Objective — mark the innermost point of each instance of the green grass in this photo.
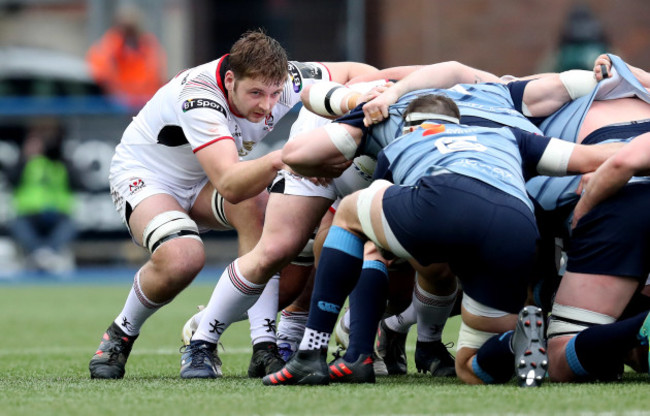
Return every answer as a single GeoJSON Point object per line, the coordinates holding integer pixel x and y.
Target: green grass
{"type": "Point", "coordinates": [50, 333]}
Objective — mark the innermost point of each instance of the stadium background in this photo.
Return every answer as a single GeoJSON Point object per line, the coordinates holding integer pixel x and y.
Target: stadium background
{"type": "Point", "coordinates": [502, 36]}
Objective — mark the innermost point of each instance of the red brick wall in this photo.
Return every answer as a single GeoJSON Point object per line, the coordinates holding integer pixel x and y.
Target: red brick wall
{"type": "Point", "coordinates": [501, 36]}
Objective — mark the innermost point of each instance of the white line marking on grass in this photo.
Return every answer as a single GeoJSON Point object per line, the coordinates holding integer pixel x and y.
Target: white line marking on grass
{"type": "Point", "coordinates": [50, 350]}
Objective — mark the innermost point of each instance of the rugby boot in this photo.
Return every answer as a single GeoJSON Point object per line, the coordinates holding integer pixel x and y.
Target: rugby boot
{"type": "Point", "coordinates": [529, 346]}
{"type": "Point", "coordinates": [111, 355]}
{"type": "Point", "coordinates": [307, 367]}
{"type": "Point", "coordinates": [391, 347]}
{"type": "Point", "coordinates": [342, 338]}
{"type": "Point", "coordinates": [434, 357]}
{"type": "Point", "coordinates": [266, 359]}
{"type": "Point", "coordinates": [200, 360]}
{"type": "Point", "coordinates": [360, 371]}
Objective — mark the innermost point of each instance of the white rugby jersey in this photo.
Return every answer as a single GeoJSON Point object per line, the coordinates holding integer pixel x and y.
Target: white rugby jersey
{"type": "Point", "coordinates": [191, 112]}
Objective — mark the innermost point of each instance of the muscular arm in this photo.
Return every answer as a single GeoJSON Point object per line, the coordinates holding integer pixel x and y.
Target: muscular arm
{"type": "Point", "coordinates": [313, 153]}
{"type": "Point", "coordinates": [342, 72]}
{"type": "Point", "coordinates": [234, 179]}
{"type": "Point", "coordinates": [632, 159]}
{"type": "Point", "coordinates": [564, 158]}
{"type": "Point", "coordinates": [392, 73]}
{"type": "Point", "coordinates": [545, 95]}
{"type": "Point", "coordinates": [587, 158]}
{"type": "Point", "coordinates": [440, 75]}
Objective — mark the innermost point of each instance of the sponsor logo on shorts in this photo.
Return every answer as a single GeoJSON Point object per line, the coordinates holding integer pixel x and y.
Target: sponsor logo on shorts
{"type": "Point", "coordinates": [203, 103]}
{"type": "Point", "coordinates": [135, 185]}
{"type": "Point", "coordinates": [328, 307]}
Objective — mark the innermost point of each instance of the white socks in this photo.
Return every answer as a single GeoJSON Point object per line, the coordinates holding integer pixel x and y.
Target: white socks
{"type": "Point", "coordinates": [432, 313]}
{"type": "Point", "coordinates": [291, 327]}
{"type": "Point", "coordinates": [137, 309]}
{"type": "Point", "coordinates": [314, 340]}
{"type": "Point", "coordinates": [263, 313]}
{"type": "Point", "coordinates": [231, 298]}
{"type": "Point", "coordinates": [402, 322]}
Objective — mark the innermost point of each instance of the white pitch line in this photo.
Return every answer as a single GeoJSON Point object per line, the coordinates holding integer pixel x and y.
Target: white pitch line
{"type": "Point", "coordinates": [54, 350]}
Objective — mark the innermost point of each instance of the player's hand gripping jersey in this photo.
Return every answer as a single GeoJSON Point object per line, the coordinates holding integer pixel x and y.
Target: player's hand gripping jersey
{"type": "Point", "coordinates": [488, 105]}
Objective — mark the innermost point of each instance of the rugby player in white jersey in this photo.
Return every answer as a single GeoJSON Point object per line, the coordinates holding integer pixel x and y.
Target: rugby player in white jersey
{"type": "Point", "coordinates": [178, 171]}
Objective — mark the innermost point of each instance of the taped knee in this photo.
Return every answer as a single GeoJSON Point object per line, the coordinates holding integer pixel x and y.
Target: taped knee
{"type": "Point", "coordinates": [167, 226]}
{"type": "Point", "coordinates": [364, 209]}
{"type": "Point", "coordinates": [569, 320]}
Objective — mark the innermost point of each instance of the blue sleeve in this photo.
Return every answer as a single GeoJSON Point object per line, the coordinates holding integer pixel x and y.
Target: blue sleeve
{"type": "Point", "coordinates": [531, 148]}
{"type": "Point", "coordinates": [382, 168]}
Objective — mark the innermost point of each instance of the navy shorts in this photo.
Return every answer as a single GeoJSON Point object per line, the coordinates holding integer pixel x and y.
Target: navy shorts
{"type": "Point", "coordinates": [487, 236]}
{"type": "Point", "coordinates": [614, 237]}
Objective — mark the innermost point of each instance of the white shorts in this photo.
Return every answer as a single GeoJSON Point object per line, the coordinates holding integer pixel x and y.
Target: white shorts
{"type": "Point", "coordinates": [135, 186]}
{"type": "Point", "coordinates": [298, 185]}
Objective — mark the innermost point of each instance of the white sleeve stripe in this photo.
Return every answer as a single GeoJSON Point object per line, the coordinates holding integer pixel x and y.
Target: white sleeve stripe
{"type": "Point", "coordinates": [555, 159]}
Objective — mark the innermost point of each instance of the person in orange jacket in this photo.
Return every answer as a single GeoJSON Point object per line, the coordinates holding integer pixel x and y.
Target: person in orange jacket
{"type": "Point", "coordinates": [128, 62]}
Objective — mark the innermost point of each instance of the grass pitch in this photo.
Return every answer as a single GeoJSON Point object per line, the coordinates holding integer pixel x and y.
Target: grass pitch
{"type": "Point", "coordinates": [50, 332]}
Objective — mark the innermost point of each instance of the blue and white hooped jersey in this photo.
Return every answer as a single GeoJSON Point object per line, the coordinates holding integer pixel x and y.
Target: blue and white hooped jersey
{"type": "Point", "coordinates": [554, 192]}
{"type": "Point", "coordinates": [502, 157]}
{"type": "Point", "coordinates": [496, 103]}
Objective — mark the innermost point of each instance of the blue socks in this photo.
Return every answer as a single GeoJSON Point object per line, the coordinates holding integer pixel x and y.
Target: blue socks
{"type": "Point", "coordinates": [494, 361]}
{"type": "Point", "coordinates": [337, 274]}
{"type": "Point", "coordinates": [367, 304]}
{"type": "Point", "coordinates": [599, 351]}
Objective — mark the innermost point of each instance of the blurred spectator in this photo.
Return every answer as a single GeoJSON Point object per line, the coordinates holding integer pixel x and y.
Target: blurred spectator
{"type": "Point", "coordinates": [128, 62]}
{"type": "Point", "coordinates": [583, 40]}
{"type": "Point", "coordinates": [43, 200]}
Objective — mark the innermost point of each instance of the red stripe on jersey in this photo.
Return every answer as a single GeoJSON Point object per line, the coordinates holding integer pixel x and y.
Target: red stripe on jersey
{"type": "Point", "coordinates": [212, 142]}
{"type": "Point", "coordinates": [328, 70]}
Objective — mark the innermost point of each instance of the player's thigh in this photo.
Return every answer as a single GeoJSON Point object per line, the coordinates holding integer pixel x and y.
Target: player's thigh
{"type": "Point", "coordinates": [290, 221]}
{"type": "Point", "coordinates": [361, 212]}
{"type": "Point", "coordinates": [608, 295]}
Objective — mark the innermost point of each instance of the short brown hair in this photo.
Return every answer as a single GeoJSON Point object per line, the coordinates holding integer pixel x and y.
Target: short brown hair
{"type": "Point", "coordinates": [257, 55]}
{"type": "Point", "coordinates": [433, 103]}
